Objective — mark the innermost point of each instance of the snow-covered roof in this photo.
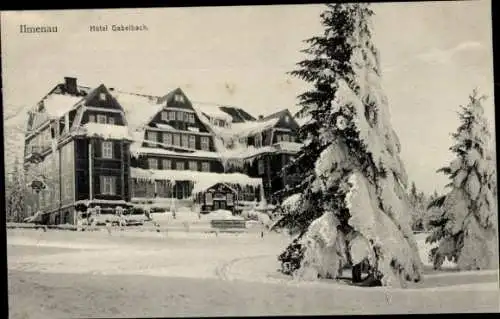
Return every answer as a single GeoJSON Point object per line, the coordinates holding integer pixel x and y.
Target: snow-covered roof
{"type": "Point", "coordinates": [213, 111]}
{"type": "Point", "coordinates": [138, 108]}
{"type": "Point", "coordinates": [252, 127]}
{"type": "Point", "coordinates": [106, 131]}
{"type": "Point", "coordinates": [56, 105]}
{"type": "Point", "coordinates": [201, 180]}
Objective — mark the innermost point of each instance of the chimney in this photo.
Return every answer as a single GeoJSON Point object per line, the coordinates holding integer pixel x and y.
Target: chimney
{"type": "Point", "coordinates": [70, 85]}
{"type": "Point", "coordinates": [261, 117]}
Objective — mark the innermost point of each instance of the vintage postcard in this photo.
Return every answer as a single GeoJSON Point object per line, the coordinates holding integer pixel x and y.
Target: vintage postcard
{"type": "Point", "coordinates": [315, 159]}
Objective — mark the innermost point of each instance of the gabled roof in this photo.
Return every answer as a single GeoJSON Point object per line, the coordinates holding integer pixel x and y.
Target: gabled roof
{"type": "Point", "coordinates": [238, 114]}
{"type": "Point", "coordinates": [213, 111]}
{"type": "Point", "coordinates": [274, 115]}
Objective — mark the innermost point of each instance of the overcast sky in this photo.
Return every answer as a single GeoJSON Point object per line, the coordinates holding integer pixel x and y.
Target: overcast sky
{"type": "Point", "coordinates": [433, 54]}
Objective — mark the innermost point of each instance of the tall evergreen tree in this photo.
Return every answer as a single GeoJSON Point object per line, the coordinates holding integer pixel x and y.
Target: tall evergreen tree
{"type": "Point", "coordinates": [465, 219]}
{"type": "Point", "coordinates": [352, 193]}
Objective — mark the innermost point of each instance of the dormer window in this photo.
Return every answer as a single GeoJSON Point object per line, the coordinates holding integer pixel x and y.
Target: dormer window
{"type": "Point", "coordinates": [102, 96]}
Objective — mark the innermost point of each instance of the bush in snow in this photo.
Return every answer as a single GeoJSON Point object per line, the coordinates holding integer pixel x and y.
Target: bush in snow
{"type": "Point", "coordinates": [464, 222]}
{"type": "Point", "coordinates": [352, 179]}
{"type": "Point", "coordinates": [15, 194]}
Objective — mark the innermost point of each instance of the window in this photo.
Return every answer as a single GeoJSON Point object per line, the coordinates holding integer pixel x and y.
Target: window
{"type": "Point", "coordinates": [193, 166]}
{"type": "Point", "coordinates": [101, 119]}
{"type": "Point", "coordinates": [91, 118]}
{"type": "Point", "coordinates": [179, 98]}
{"type": "Point", "coordinates": [152, 136]}
{"type": "Point", "coordinates": [180, 116]}
{"type": "Point", "coordinates": [111, 120]}
{"type": "Point", "coordinates": [204, 143]}
{"type": "Point", "coordinates": [261, 167]}
{"type": "Point", "coordinates": [152, 163]}
{"type": "Point", "coordinates": [102, 96]}
{"type": "Point", "coordinates": [177, 140]}
{"type": "Point", "coordinates": [243, 140]}
{"type": "Point", "coordinates": [108, 185]}
{"type": "Point", "coordinates": [171, 115]}
{"type": "Point", "coordinates": [191, 118]}
{"type": "Point", "coordinates": [205, 166]}
{"type": "Point", "coordinates": [179, 166]}
{"type": "Point", "coordinates": [192, 141]}
{"type": "Point", "coordinates": [167, 138]}
{"type": "Point", "coordinates": [186, 117]}
{"type": "Point", "coordinates": [258, 140]}
{"type": "Point", "coordinates": [164, 116]}
{"type": "Point", "coordinates": [166, 164]}
{"type": "Point", "coordinates": [185, 141]}
{"type": "Point", "coordinates": [107, 149]}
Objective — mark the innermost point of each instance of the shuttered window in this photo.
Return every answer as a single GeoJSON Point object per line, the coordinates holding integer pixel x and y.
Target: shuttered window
{"type": "Point", "coordinates": [205, 143]}
{"type": "Point", "coordinates": [107, 149]}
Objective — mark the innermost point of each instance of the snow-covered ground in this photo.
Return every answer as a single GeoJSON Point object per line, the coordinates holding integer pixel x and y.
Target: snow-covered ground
{"type": "Point", "coordinates": [238, 260]}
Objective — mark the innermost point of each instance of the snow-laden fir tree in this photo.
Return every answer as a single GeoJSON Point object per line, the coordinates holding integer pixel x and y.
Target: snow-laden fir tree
{"type": "Point", "coordinates": [353, 205]}
{"type": "Point", "coordinates": [464, 221]}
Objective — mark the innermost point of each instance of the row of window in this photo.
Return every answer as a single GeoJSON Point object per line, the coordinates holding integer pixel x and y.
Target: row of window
{"type": "Point", "coordinates": [162, 189]}
{"type": "Point", "coordinates": [179, 165]}
{"type": "Point", "coordinates": [101, 119]}
{"type": "Point", "coordinates": [178, 116]}
{"type": "Point", "coordinates": [182, 140]}
{"type": "Point", "coordinates": [219, 122]}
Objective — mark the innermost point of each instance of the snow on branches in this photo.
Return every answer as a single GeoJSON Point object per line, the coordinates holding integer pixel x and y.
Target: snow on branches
{"type": "Point", "coordinates": [464, 223]}
{"type": "Point", "coordinates": [357, 183]}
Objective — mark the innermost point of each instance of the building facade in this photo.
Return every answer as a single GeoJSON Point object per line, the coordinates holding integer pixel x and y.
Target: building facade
{"type": "Point", "coordinates": [88, 147]}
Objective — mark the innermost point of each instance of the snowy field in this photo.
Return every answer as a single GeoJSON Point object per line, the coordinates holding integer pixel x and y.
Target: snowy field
{"type": "Point", "coordinates": [58, 274]}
